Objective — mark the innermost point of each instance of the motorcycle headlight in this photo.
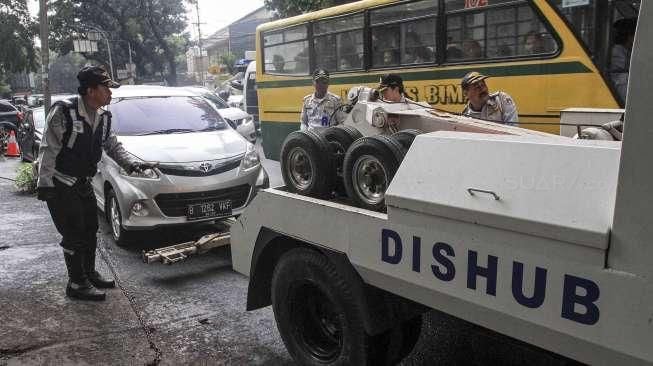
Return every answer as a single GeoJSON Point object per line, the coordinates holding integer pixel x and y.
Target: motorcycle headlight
{"type": "Point", "coordinates": [251, 159]}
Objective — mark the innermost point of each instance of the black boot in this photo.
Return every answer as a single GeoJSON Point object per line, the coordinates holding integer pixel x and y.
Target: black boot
{"type": "Point", "coordinates": [79, 286]}
{"type": "Point", "coordinates": [94, 276]}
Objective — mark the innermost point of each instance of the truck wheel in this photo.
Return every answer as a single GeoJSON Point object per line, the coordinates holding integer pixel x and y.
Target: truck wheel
{"type": "Point", "coordinates": [410, 333]}
{"type": "Point", "coordinates": [406, 137]}
{"type": "Point", "coordinates": [339, 139]}
{"type": "Point", "coordinates": [305, 164]}
{"type": "Point", "coordinates": [317, 316]}
{"type": "Point", "coordinates": [369, 166]}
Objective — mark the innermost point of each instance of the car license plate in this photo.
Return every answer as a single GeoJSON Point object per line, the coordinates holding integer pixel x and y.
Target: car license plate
{"type": "Point", "coordinates": [209, 209]}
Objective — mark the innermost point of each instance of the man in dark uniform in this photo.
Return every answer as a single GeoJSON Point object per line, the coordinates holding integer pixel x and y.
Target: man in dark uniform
{"type": "Point", "coordinates": [77, 131]}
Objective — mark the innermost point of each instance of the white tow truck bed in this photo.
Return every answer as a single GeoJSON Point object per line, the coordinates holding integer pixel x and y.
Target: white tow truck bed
{"type": "Point", "coordinates": [515, 239]}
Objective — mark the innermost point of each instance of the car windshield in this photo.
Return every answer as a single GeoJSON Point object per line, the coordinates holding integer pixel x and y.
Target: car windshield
{"type": "Point", "coordinates": [164, 115]}
{"type": "Point", "coordinates": [219, 103]}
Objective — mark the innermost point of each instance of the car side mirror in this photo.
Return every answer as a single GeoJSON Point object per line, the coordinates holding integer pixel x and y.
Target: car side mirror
{"type": "Point", "coordinates": [224, 94]}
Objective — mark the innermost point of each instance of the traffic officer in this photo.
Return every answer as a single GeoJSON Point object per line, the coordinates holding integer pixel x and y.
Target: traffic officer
{"type": "Point", "coordinates": [77, 131]}
{"type": "Point", "coordinates": [497, 107]}
{"type": "Point", "coordinates": [391, 88]}
{"type": "Point", "coordinates": [321, 109]}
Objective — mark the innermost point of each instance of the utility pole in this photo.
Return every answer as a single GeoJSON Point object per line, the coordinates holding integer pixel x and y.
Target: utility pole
{"type": "Point", "coordinates": [45, 53]}
{"type": "Point", "coordinates": [199, 42]}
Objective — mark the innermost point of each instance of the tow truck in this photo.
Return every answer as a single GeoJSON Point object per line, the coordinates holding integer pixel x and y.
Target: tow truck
{"type": "Point", "coordinates": [546, 240]}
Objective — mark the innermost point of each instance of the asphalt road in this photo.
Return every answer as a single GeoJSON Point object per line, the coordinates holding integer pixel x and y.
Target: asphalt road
{"type": "Point", "coordinates": [188, 313]}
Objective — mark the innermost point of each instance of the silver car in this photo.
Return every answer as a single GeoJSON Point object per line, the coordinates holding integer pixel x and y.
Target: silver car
{"type": "Point", "coordinates": [205, 171]}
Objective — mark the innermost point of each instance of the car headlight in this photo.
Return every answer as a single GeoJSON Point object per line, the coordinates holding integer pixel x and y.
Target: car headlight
{"type": "Point", "coordinates": [244, 121]}
{"type": "Point", "coordinates": [148, 173]}
{"type": "Point", "coordinates": [251, 159]}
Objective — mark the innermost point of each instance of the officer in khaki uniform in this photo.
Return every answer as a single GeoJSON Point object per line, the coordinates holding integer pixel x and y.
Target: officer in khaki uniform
{"type": "Point", "coordinates": [321, 109]}
{"type": "Point", "coordinates": [497, 107]}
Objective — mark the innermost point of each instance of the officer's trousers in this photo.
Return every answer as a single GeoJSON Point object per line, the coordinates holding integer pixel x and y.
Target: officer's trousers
{"type": "Point", "coordinates": [75, 216]}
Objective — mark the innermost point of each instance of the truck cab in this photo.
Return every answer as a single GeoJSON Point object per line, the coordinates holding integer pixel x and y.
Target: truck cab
{"type": "Point", "coordinates": [542, 240]}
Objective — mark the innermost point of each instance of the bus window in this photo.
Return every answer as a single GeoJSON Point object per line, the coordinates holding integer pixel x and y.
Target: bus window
{"type": "Point", "coordinates": [581, 16]}
{"type": "Point", "coordinates": [404, 34]}
{"type": "Point", "coordinates": [511, 30]}
{"type": "Point", "coordinates": [338, 43]}
{"type": "Point", "coordinates": [286, 51]}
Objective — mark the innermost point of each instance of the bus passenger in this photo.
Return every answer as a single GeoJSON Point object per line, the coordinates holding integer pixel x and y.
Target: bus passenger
{"type": "Point", "coordinates": [620, 59]}
{"type": "Point", "coordinates": [472, 49]}
{"type": "Point", "coordinates": [496, 107]}
{"type": "Point", "coordinates": [321, 109]}
{"type": "Point", "coordinates": [279, 63]}
{"type": "Point", "coordinates": [534, 43]}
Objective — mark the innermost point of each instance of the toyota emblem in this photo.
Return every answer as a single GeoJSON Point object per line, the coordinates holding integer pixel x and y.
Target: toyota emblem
{"type": "Point", "coordinates": [205, 167]}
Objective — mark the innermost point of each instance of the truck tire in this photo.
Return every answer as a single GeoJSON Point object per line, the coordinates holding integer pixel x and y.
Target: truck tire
{"type": "Point", "coordinates": [339, 139]}
{"type": "Point", "coordinates": [369, 166]}
{"type": "Point", "coordinates": [306, 166]}
{"type": "Point", "coordinates": [406, 137]}
{"type": "Point", "coordinates": [319, 320]}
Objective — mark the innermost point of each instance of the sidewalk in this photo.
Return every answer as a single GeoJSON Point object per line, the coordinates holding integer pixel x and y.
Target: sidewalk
{"type": "Point", "coordinates": [38, 323]}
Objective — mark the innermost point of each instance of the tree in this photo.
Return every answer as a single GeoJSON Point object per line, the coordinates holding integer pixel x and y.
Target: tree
{"type": "Point", "coordinates": [154, 28]}
{"type": "Point", "coordinates": [289, 8]}
{"type": "Point", "coordinates": [17, 30]}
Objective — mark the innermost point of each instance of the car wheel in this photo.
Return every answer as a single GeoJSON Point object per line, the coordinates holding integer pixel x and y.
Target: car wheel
{"type": "Point", "coordinates": [369, 166]}
{"type": "Point", "coordinates": [114, 218]}
{"type": "Point", "coordinates": [305, 164]}
{"type": "Point", "coordinates": [406, 137]}
{"type": "Point", "coordinates": [319, 320]}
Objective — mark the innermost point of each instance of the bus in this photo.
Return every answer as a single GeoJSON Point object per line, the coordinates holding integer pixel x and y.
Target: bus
{"type": "Point", "coordinates": [547, 54]}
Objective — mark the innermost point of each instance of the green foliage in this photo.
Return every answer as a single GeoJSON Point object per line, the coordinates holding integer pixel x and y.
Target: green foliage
{"type": "Point", "coordinates": [289, 8]}
{"type": "Point", "coordinates": [5, 89]}
{"type": "Point", "coordinates": [26, 178]}
{"type": "Point", "coordinates": [154, 28]}
{"type": "Point", "coordinates": [228, 59]}
{"type": "Point", "coordinates": [17, 30]}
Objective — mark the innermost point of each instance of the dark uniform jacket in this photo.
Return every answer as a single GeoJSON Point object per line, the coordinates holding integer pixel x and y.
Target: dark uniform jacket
{"type": "Point", "coordinates": [73, 143]}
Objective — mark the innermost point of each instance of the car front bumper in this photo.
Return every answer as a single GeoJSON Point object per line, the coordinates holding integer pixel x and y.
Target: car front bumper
{"type": "Point", "coordinates": [164, 201]}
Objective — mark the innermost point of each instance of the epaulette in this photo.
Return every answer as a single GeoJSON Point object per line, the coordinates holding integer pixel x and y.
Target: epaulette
{"type": "Point", "coordinates": [67, 103]}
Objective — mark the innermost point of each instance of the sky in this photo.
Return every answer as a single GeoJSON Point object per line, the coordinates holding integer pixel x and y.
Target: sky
{"type": "Point", "coordinates": [214, 14]}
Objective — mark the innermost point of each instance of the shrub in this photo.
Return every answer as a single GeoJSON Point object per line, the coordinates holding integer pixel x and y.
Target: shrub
{"type": "Point", "coordinates": [26, 178]}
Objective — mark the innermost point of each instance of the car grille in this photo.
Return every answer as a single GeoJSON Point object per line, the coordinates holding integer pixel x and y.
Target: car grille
{"type": "Point", "coordinates": [176, 204]}
{"type": "Point", "coordinates": [201, 169]}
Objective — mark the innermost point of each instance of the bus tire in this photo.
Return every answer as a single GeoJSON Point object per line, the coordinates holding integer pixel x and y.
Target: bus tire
{"type": "Point", "coordinates": [339, 139]}
{"type": "Point", "coordinates": [369, 166]}
{"type": "Point", "coordinates": [306, 166]}
{"type": "Point", "coordinates": [319, 320]}
{"type": "Point", "coordinates": [406, 137]}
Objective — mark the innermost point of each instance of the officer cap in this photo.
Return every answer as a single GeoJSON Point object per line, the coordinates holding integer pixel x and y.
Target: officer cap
{"type": "Point", "coordinates": [472, 78]}
{"type": "Point", "coordinates": [321, 74]}
{"type": "Point", "coordinates": [92, 76]}
{"type": "Point", "coordinates": [390, 80]}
